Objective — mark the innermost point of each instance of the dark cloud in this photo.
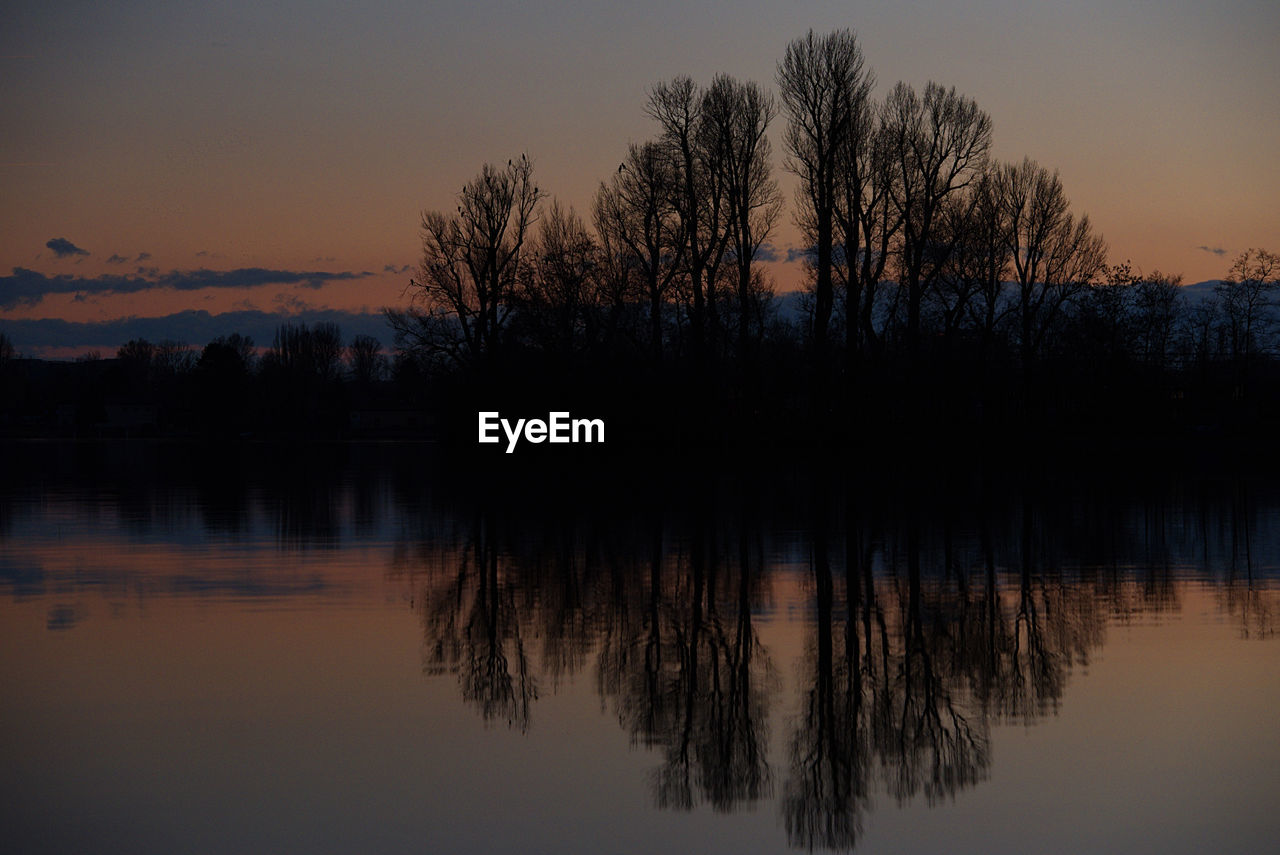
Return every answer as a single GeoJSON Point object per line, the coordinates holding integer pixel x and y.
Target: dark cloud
{"type": "Point", "coordinates": [26, 287]}
{"type": "Point", "coordinates": [291, 303]}
{"type": "Point", "coordinates": [195, 327]}
{"type": "Point", "coordinates": [64, 248]}
{"type": "Point", "coordinates": [810, 253]}
{"type": "Point", "coordinates": [795, 253]}
{"type": "Point", "coordinates": [1215, 250]}
{"type": "Point", "coordinates": [143, 256]}
{"type": "Point", "coordinates": [768, 252]}
{"type": "Point", "coordinates": [391, 268]}
{"type": "Point", "coordinates": [116, 259]}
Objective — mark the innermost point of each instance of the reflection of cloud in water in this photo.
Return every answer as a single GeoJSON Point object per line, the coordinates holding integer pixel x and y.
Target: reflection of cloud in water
{"type": "Point", "coordinates": [63, 617]}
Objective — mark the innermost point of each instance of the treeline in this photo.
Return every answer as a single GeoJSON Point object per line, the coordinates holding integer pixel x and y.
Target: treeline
{"type": "Point", "coordinates": [943, 287]}
{"type": "Point", "coordinates": [308, 382]}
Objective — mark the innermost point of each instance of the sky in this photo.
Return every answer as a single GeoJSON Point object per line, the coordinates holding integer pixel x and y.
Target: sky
{"type": "Point", "coordinates": [163, 165]}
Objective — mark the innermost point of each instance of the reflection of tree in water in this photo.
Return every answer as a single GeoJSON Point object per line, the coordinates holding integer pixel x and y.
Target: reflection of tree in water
{"type": "Point", "coordinates": [473, 630]}
{"type": "Point", "coordinates": [911, 663]}
{"type": "Point", "coordinates": [1247, 596]}
{"type": "Point", "coordinates": [1037, 626]}
{"type": "Point", "coordinates": [1254, 605]}
{"type": "Point", "coordinates": [675, 646]}
{"type": "Point", "coordinates": [929, 626]}
{"type": "Point", "coordinates": [828, 790]}
{"type": "Point", "coordinates": [688, 674]}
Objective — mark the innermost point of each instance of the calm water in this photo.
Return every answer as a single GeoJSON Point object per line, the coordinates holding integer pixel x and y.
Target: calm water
{"type": "Point", "coordinates": [359, 649]}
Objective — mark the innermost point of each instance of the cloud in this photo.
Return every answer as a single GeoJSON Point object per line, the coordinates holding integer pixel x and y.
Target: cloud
{"type": "Point", "coordinates": [795, 253]}
{"type": "Point", "coordinates": [768, 252]}
{"type": "Point", "coordinates": [1215, 250]}
{"type": "Point", "coordinates": [810, 253]}
{"type": "Point", "coordinates": [291, 303]}
{"type": "Point", "coordinates": [64, 248]}
{"type": "Point", "coordinates": [143, 256]}
{"type": "Point", "coordinates": [194, 326]}
{"type": "Point", "coordinates": [391, 268]}
{"type": "Point", "coordinates": [116, 259]}
{"type": "Point", "coordinates": [26, 287]}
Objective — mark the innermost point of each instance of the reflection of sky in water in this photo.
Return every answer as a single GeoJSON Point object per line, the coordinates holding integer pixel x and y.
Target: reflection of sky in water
{"type": "Point", "coordinates": [346, 667]}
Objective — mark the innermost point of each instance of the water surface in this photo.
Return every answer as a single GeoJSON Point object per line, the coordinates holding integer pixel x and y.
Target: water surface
{"type": "Point", "coordinates": [360, 649]}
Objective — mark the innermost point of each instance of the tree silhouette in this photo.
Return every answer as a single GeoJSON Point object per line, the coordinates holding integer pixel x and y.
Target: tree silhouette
{"type": "Point", "coordinates": [735, 119]}
{"type": "Point", "coordinates": [1055, 256]}
{"type": "Point", "coordinates": [367, 363]}
{"type": "Point", "coordinates": [939, 142]}
{"type": "Point", "coordinates": [1246, 300]}
{"type": "Point", "coordinates": [823, 82]}
{"type": "Point", "coordinates": [641, 230]}
{"type": "Point", "coordinates": [561, 294]}
{"type": "Point", "coordinates": [474, 630]}
{"type": "Point", "coordinates": [472, 261]}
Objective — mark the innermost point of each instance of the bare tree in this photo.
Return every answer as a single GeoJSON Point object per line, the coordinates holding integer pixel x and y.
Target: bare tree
{"type": "Point", "coordinates": [560, 292]}
{"type": "Point", "coordinates": [305, 353]}
{"type": "Point", "coordinates": [867, 219]}
{"type": "Point", "coordinates": [1157, 306]}
{"type": "Point", "coordinates": [1246, 297]}
{"type": "Point", "coordinates": [940, 141]}
{"type": "Point", "coordinates": [366, 360]}
{"type": "Point", "coordinates": [822, 80]}
{"type": "Point", "coordinates": [981, 261]}
{"type": "Point", "coordinates": [471, 262]}
{"type": "Point", "coordinates": [696, 153]}
{"type": "Point", "coordinates": [735, 118]}
{"type": "Point", "coordinates": [173, 358]}
{"type": "Point", "coordinates": [637, 220]}
{"type": "Point", "coordinates": [957, 287]}
{"type": "Point", "coordinates": [1054, 255]}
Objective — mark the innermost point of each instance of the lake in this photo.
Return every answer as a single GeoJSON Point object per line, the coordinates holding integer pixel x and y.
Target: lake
{"type": "Point", "coordinates": [340, 648]}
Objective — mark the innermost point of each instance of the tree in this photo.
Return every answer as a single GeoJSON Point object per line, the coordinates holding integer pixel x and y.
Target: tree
{"type": "Point", "coordinates": [866, 217]}
{"type": "Point", "coordinates": [736, 117]}
{"type": "Point", "coordinates": [223, 383]}
{"type": "Point", "coordinates": [173, 358]}
{"type": "Point", "coordinates": [560, 291]}
{"type": "Point", "coordinates": [821, 80]}
{"type": "Point", "coordinates": [367, 363]}
{"type": "Point", "coordinates": [228, 356]}
{"type": "Point", "coordinates": [471, 263]}
{"type": "Point", "coordinates": [698, 149]}
{"type": "Point", "coordinates": [137, 352]}
{"type": "Point", "coordinates": [939, 142]}
{"type": "Point", "coordinates": [305, 354]}
{"type": "Point", "coordinates": [1054, 255]}
{"type": "Point", "coordinates": [638, 224]}
{"type": "Point", "coordinates": [971, 281]}
{"type": "Point", "coordinates": [1157, 305]}
{"type": "Point", "coordinates": [1246, 297]}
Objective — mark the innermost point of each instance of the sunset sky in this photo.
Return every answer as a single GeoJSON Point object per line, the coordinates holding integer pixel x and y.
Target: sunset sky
{"type": "Point", "coordinates": [261, 158]}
